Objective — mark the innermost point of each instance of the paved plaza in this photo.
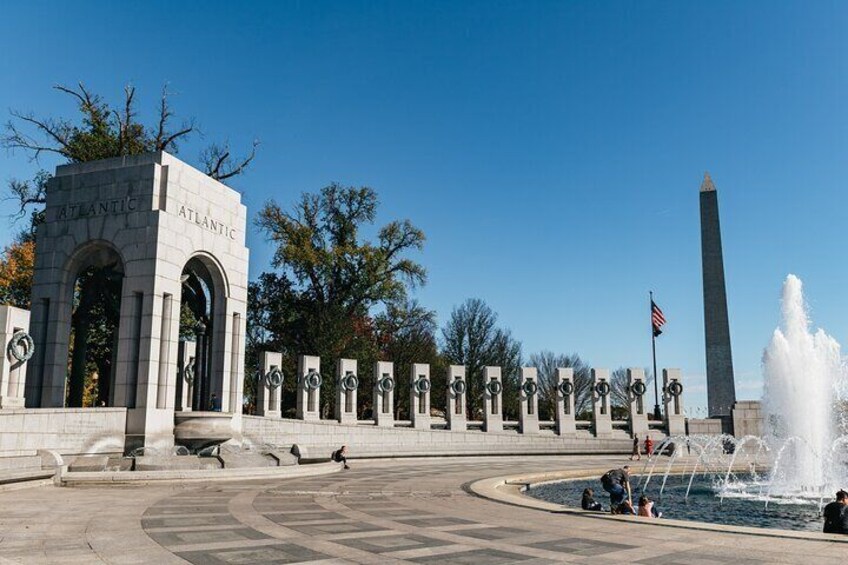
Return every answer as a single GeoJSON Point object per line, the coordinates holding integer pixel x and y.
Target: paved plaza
{"type": "Point", "coordinates": [401, 511]}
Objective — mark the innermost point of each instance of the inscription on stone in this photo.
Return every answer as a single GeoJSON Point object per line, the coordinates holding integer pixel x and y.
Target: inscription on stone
{"type": "Point", "coordinates": [101, 208]}
{"type": "Point", "coordinates": [206, 222]}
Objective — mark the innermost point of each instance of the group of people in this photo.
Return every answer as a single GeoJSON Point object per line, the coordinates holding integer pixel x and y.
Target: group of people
{"type": "Point", "coordinates": [636, 455]}
{"type": "Point", "coordinates": [617, 483]}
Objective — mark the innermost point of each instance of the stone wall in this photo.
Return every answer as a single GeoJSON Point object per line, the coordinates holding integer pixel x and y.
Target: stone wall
{"type": "Point", "coordinates": [747, 418]}
{"type": "Point", "coordinates": [319, 438]}
{"type": "Point", "coordinates": [70, 431]}
{"type": "Point", "coordinates": [703, 426]}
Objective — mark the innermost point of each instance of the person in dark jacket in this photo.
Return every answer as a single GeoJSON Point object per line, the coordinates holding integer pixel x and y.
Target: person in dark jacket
{"type": "Point", "coordinates": [617, 483]}
{"type": "Point", "coordinates": [340, 456]}
{"type": "Point", "coordinates": [836, 515]}
{"type": "Point", "coordinates": [636, 454]}
{"type": "Point", "coordinates": [588, 501]}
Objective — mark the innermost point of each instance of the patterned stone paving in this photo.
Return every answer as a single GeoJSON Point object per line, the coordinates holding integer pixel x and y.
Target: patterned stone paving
{"type": "Point", "coordinates": [404, 511]}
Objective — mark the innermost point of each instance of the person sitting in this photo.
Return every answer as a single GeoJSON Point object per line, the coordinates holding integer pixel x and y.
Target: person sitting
{"type": "Point", "coordinates": [340, 456]}
{"type": "Point", "coordinates": [617, 483]}
{"type": "Point", "coordinates": [588, 501]}
{"type": "Point", "coordinates": [625, 508]}
{"type": "Point", "coordinates": [836, 515]}
{"type": "Point", "coordinates": [647, 508]}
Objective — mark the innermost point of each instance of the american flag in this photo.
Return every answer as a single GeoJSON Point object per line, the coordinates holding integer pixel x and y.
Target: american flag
{"type": "Point", "coordinates": [657, 318]}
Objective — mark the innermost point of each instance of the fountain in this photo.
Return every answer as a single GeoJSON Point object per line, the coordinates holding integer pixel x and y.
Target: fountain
{"type": "Point", "coordinates": [781, 479]}
{"type": "Point", "coordinates": [804, 383]}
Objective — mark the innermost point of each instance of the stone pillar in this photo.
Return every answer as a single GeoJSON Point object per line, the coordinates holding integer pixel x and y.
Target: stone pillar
{"type": "Point", "coordinates": [492, 399]}
{"type": "Point", "coordinates": [721, 389]}
{"type": "Point", "coordinates": [384, 393]}
{"type": "Point", "coordinates": [309, 382]}
{"type": "Point", "coordinates": [269, 385]}
{"type": "Point", "coordinates": [347, 383]}
{"type": "Point", "coordinates": [601, 413]}
{"type": "Point", "coordinates": [528, 395]}
{"type": "Point", "coordinates": [419, 396]}
{"type": "Point", "coordinates": [565, 419]}
{"type": "Point", "coordinates": [675, 421]}
{"type": "Point", "coordinates": [186, 384]}
{"type": "Point", "coordinates": [636, 389]}
{"type": "Point", "coordinates": [18, 348]}
{"type": "Point", "coordinates": [455, 406]}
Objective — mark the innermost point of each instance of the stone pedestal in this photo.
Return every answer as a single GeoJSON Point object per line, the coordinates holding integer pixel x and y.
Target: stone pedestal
{"type": "Point", "coordinates": [384, 393]}
{"type": "Point", "coordinates": [601, 413]}
{"type": "Point", "coordinates": [565, 393]}
{"type": "Point", "coordinates": [456, 390]}
{"type": "Point", "coordinates": [636, 390]}
{"type": "Point", "coordinates": [347, 383]}
{"type": "Point", "coordinates": [675, 420]}
{"type": "Point", "coordinates": [309, 381]}
{"type": "Point", "coordinates": [18, 348]}
{"type": "Point", "coordinates": [747, 418]}
{"type": "Point", "coordinates": [528, 395]}
{"type": "Point", "coordinates": [419, 396]}
{"type": "Point", "coordinates": [270, 385]}
{"type": "Point", "coordinates": [492, 399]}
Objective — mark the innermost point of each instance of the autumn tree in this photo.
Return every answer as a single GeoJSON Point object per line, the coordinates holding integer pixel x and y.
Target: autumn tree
{"type": "Point", "coordinates": [16, 269]}
{"type": "Point", "coordinates": [330, 279]}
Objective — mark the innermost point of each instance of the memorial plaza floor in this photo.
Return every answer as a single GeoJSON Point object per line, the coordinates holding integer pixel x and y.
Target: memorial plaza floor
{"type": "Point", "coordinates": [389, 511]}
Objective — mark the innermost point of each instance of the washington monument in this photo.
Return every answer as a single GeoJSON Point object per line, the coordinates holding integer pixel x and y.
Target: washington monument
{"type": "Point", "coordinates": [721, 390]}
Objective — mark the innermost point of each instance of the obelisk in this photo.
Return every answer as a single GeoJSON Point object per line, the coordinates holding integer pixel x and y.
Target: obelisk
{"type": "Point", "coordinates": [721, 391]}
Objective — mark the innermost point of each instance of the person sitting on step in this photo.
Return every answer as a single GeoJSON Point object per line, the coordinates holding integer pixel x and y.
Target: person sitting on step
{"type": "Point", "coordinates": [340, 456]}
{"type": "Point", "coordinates": [588, 501]}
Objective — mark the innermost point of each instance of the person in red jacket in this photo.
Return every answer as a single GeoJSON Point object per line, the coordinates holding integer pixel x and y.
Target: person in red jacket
{"type": "Point", "coordinates": [649, 446]}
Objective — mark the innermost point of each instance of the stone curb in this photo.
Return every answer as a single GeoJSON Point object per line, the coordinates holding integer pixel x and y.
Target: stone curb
{"type": "Point", "coordinates": [101, 478]}
{"type": "Point", "coordinates": [510, 490]}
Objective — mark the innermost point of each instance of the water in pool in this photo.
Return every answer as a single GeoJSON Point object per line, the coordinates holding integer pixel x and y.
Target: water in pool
{"type": "Point", "coordinates": [704, 504]}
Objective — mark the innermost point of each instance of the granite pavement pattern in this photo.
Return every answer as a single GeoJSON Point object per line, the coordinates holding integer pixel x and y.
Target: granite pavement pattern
{"type": "Point", "coordinates": [393, 511]}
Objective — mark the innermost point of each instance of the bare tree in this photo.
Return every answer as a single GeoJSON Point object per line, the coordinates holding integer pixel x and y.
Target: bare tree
{"type": "Point", "coordinates": [100, 131]}
{"type": "Point", "coordinates": [471, 338]}
{"type": "Point", "coordinates": [546, 363]}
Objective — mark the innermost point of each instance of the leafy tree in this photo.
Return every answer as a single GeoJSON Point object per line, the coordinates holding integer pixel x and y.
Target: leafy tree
{"type": "Point", "coordinates": [406, 334]}
{"type": "Point", "coordinates": [16, 270]}
{"type": "Point", "coordinates": [471, 338]}
{"type": "Point", "coordinates": [330, 278]}
{"type": "Point", "coordinates": [546, 363]}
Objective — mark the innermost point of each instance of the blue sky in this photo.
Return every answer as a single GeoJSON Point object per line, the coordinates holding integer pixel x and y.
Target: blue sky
{"type": "Point", "coordinates": [551, 151]}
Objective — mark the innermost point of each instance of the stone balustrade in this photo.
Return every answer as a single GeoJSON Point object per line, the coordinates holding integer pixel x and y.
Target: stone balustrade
{"type": "Point", "coordinates": [563, 394]}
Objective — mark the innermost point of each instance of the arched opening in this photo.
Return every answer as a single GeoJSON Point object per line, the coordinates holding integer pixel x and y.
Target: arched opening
{"type": "Point", "coordinates": [96, 307]}
{"type": "Point", "coordinates": [200, 353]}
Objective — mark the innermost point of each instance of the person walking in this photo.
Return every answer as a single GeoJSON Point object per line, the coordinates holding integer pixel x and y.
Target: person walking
{"type": "Point", "coordinates": [649, 446]}
{"type": "Point", "coordinates": [635, 455]}
{"type": "Point", "coordinates": [836, 515]}
{"type": "Point", "coordinates": [617, 483]}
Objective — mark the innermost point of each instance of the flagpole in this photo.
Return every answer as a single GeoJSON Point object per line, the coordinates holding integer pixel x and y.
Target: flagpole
{"type": "Point", "coordinates": [657, 412]}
